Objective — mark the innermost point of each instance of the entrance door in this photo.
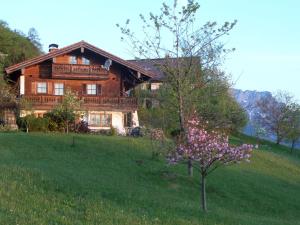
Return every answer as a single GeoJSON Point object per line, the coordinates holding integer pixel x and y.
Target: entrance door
{"type": "Point", "coordinates": [127, 119]}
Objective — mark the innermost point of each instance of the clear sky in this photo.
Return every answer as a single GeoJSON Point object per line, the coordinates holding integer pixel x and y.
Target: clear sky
{"type": "Point", "coordinates": [267, 36]}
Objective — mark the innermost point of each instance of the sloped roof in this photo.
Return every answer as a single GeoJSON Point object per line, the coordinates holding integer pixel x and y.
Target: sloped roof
{"type": "Point", "coordinates": [151, 65]}
{"type": "Point", "coordinates": [155, 65]}
{"type": "Point", "coordinates": [67, 49]}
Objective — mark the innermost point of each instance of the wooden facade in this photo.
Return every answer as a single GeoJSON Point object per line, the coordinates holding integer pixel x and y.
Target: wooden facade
{"type": "Point", "coordinates": [82, 68]}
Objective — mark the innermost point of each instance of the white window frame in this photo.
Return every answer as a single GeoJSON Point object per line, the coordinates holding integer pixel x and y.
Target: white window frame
{"type": "Point", "coordinates": [73, 59]}
{"type": "Point", "coordinates": [100, 119]}
{"type": "Point", "coordinates": [41, 87]}
{"type": "Point", "coordinates": [91, 89]}
{"type": "Point", "coordinates": [85, 61]}
{"type": "Point", "coordinates": [95, 119]}
{"type": "Point", "coordinates": [59, 89]}
{"type": "Point", "coordinates": [106, 120]}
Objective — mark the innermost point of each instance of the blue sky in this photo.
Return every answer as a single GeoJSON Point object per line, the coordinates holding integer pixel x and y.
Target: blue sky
{"type": "Point", "coordinates": [267, 36]}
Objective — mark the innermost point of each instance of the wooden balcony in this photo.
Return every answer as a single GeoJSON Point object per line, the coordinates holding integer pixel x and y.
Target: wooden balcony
{"type": "Point", "coordinates": [78, 71]}
{"type": "Point", "coordinates": [88, 102]}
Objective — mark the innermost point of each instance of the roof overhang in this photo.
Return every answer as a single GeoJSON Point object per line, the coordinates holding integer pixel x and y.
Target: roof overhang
{"type": "Point", "coordinates": [70, 48]}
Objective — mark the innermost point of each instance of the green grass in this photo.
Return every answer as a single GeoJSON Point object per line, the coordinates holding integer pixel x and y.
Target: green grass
{"type": "Point", "coordinates": [112, 180]}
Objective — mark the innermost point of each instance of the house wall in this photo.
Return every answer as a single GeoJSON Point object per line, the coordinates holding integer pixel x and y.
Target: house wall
{"type": "Point", "coordinates": [117, 118]}
{"type": "Point", "coordinates": [110, 87]}
{"type": "Point", "coordinates": [9, 118]}
{"type": "Point", "coordinates": [65, 59]}
{"type": "Point", "coordinates": [113, 84]}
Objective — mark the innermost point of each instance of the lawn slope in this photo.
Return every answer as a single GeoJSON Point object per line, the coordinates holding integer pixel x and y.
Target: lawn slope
{"type": "Point", "coordinates": [112, 180]}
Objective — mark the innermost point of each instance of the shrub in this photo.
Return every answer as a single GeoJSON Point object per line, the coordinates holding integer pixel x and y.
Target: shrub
{"type": "Point", "coordinates": [157, 134]}
{"type": "Point", "coordinates": [56, 122]}
{"type": "Point", "coordinates": [2, 122]}
{"type": "Point", "coordinates": [32, 123]}
{"type": "Point", "coordinates": [39, 124]}
{"type": "Point", "coordinates": [113, 131]}
{"type": "Point", "coordinates": [140, 132]}
{"type": "Point", "coordinates": [53, 126]}
{"type": "Point", "coordinates": [175, 134]}
{"type": "Point", "coordinates": [5, 128]}
{"type": "Point", "coordinates": [24, 123]}
{"type": "Point", "coordinates": [62, 121]}
{"type": "Point", "coordinates": [82, 127]}
{"type": "Point", "coordinates": [21, 123]}
{"type": "Point", "coordinates": [102, 132]}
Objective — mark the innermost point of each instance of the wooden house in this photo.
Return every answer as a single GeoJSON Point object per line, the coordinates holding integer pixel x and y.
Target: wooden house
{"type": "Point", "coordinates": [102, 81]}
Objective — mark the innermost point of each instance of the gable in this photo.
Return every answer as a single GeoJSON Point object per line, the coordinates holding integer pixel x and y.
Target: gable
{"type": "Point", "coordinates": [80, 46]}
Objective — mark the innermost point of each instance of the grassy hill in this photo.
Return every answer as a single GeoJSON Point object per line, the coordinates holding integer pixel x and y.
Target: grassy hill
{"type": "Point", "coordinates": [112, 180]}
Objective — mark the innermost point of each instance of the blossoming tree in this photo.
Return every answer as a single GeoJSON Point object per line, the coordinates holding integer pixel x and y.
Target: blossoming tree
{"type": "Point", "coordinates": [209, 150]}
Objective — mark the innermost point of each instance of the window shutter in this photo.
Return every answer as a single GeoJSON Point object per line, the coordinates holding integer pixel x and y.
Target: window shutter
{"type": "Point", "coordinates": [33, 87]}
{"type": "Point", "coordinates": [50, 89]}
{"type": "Point", "coordinates": [99, 89]}
{"type": "Point", "coordinates": [64, 88]}
{"type": "Point", "coordinates": [84, 89]}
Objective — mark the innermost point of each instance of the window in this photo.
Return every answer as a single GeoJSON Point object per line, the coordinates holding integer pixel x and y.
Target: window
{"type": "Point", "coordinates": [91, 89]}
{"type": "Point", "coordinates": [73, 59]}
{"type": "Point", "coordinates": [101, 120]}
{"type": "Point", "coordinates": [59, 89]}
{"type": "Point", "coordinates": [128, 119]}
{"type": "Point", "coordinates": [42, 87]}
{"type": "Point", "coordinates": [105, 120]}
{"type": "Point", "coordinates": [155, 86]}
{"type": "Point", "coordinates": [85, 61]}
{"type": "Point", "coordinates": [94, 119]}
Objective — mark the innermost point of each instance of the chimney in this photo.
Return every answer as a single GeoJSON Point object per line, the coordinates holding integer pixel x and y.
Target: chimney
{"type": "Point", "coordinates": [53, 47]}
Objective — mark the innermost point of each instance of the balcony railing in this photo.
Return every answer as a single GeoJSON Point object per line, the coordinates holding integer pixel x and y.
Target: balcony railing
{"type": "Point", "coordinates": [78, 69]}
{"type": "Point", "coordinates": [87, 101]}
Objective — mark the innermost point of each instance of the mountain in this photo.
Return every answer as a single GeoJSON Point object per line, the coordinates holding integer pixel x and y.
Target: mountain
{"type": "Point", "coordinates": [247, 99]}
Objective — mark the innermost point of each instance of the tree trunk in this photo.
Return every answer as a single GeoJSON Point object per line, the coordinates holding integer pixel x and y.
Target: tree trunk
{"type": "Point", "coordinates": [181, 116]}
{"type": "Point", "coordinates": [203, 193]}
{"type": "Point", "coordinates": [293, 145]}
{"type": "Point", "coordinates": [190, 167]}
{"type": "Point", "coordinates": [278, 140]}
{"type": "Point", "coordinates": [67, 126]}
{"type": "Point", "coordinates": [183, 130]}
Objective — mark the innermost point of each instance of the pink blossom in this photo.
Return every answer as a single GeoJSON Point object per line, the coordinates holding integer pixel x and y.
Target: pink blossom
{"type": "Point", "coordinates": [209, 149]}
